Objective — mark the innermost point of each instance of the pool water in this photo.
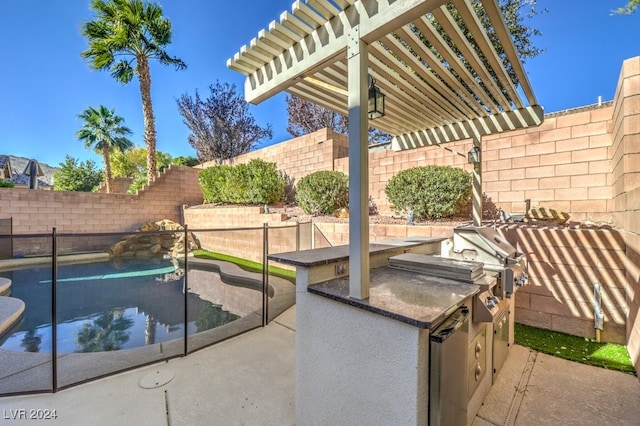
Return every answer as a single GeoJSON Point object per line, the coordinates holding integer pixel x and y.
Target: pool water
{"type": "Point", "coordinates": [107, 306]}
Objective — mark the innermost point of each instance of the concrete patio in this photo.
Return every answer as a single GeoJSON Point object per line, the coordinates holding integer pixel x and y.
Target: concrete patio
{"type": "Point", "coordinates": [249, 380]}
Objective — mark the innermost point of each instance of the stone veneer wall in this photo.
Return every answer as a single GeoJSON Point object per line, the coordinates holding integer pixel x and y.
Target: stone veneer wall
{"type": "Point", "coordinates": [34, 211]}
{"type": "Point", "coordinates": [626, 190]}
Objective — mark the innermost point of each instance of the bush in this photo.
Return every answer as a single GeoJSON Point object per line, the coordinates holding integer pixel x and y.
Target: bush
{"type": "Point", "coordinates": [257, 182]}
{"type": "Point", "coordinates": [6, 184]}
{"type": "Point", "coordinates": [323, 192]}
{"type": "Point", "coordinates": [432, 192]}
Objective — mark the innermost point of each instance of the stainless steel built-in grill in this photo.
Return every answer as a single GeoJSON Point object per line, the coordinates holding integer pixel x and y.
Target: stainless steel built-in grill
{"type": "Point", "coordinates": [483, 244]}
{"type": "Point", "coordinates": [480, 256]}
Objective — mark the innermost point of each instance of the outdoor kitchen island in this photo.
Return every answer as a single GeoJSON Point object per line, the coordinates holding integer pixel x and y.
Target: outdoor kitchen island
{"type": "Point", "coordinates": [408, 354]}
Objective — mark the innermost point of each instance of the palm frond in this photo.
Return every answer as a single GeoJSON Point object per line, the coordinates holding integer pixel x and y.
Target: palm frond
{"type": "Point", "coordinates": [122, 71]}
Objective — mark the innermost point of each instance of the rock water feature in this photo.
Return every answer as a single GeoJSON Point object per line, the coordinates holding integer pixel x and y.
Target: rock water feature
{"type": "Point", "coordinates": [147, 244]}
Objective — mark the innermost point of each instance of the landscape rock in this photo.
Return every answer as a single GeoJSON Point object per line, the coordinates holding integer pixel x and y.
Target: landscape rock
{"type": "Point", "coordinates": [547, 215]}
{"type": "Point", "coordinates": [147, 246]}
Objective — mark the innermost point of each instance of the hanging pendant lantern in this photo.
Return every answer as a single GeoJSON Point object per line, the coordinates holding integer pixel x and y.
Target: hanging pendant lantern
{"type": "Point", "coordinates": [376, 101]}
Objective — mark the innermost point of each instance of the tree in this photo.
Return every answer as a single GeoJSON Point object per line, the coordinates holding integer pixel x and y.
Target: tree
{"type": "Point", "coordinates": [122, 39]}
{"type": "Point", "coordinates": [629, 8]}
{"type": "Point", "coordinates": [105, 133]}
{"type": "Point", "coordinates": [306, 117]}
{"type": "Point", "coordinates": [132, 163]}
{"type": "Point", "coordinates": [221, 125]}
{"type": "Point", "coordinates": [513, 12]}
{"type": "Point", "coordinates": [77, 176]}
{"type": "Point", "coordinates": [185, 161]}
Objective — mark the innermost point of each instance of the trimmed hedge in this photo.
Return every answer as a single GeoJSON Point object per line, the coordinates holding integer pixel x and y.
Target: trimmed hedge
{"type": "Point", "coordinates": [432, 192]}
{"type": "Point", "coordinates": [323, 192]}
{"type": "Point", "coordinates": [258, 182]}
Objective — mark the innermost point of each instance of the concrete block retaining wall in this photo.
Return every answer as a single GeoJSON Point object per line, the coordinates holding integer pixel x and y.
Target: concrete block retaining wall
{"type": "Point", "coordinates": [246, 243]}
{"type": "Point", "coordinates": [34, 211]}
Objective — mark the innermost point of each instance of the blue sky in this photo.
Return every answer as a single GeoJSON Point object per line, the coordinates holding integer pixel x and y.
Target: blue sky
{"type": "Point", "coordinates": [45, 84]}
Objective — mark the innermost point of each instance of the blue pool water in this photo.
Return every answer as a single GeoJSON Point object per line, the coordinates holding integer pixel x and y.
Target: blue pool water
{"type": "Point", "coordinates": [107, 306]}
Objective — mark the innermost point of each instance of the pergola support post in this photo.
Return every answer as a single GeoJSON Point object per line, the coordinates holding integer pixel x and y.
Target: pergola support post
{"type": "Point", "coordinates": [358, 65]}
{"type": "Point", "coordinates": [476, 181]}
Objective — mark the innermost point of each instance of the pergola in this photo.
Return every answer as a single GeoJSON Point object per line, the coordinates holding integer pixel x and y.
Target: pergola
{"type": "Point", "coordinates": [438, 66]}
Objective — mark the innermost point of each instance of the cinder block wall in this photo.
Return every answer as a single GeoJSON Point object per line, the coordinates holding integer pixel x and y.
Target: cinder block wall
{"type": "Point", "coordinates": [34, 211]}
{"type": "Point", "coordinates": [247, 242]}
{"type": "Point", "coordinates": [626, 189]}
{"type": "Point", "coordinates": [564, 164]}
{"type": "Point", "coordinates": [300, 156]}
{"type": "Point", "coordinates": [563, 266]}
{"type": "Point", "coordinates": [120, 185]}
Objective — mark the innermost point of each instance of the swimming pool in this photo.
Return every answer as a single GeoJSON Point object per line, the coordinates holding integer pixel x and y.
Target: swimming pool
{"type": "Point", "coordinates": [108, 306]}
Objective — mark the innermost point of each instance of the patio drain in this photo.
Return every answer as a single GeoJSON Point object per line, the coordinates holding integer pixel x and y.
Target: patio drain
{"type": "Point", "coordinates": [156, 379]}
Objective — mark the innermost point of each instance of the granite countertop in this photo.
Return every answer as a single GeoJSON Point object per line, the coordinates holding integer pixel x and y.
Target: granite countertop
{"type": "Point", "coordinates": [327, 255]}
{"type": "Point", "coordinates": [414, 298]}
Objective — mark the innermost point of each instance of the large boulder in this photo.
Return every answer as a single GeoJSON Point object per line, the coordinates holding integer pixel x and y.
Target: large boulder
{"type": "Point", "coordinates": [144, 245]}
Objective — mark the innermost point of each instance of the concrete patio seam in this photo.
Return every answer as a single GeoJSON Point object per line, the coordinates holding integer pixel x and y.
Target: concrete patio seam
{"type": "Point", "coordinates": [514, 409]}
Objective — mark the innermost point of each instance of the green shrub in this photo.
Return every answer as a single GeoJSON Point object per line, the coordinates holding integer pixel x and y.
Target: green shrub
{"type": "Point", "coordinates": [6, 184]}
{"type": "Point", "coordinates": [257, 182]}
{"type": "Point", "coordinates": [266, 182]}
{"type": "Point", "coordinates": [323, 192]}
{"type": "Point", "coordinates": [432, 192]}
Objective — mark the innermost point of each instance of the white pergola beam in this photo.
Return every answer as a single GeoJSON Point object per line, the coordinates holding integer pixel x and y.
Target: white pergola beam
{"type": "Point", "coordinates": [391, 15]}
{"type": "Point", "coordinates": [510, 120]}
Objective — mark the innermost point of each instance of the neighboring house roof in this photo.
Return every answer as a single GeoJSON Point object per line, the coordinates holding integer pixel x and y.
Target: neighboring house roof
{"type": "Point", "coordinates": [21, 179]}
{"type": "Point", "coordinates": [10, 170]}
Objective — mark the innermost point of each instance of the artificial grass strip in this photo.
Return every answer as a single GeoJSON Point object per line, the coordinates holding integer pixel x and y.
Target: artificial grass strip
{"type": "Point", "coordinates": [247, 265]}
{"type": "Point", "coordinates": [574, 348]}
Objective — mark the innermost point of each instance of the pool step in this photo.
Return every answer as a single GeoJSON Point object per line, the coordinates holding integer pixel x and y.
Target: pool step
{"type": "Point", "coordinates": [11, 310]}
{"type": "Point", "coordinates": [5, 286]}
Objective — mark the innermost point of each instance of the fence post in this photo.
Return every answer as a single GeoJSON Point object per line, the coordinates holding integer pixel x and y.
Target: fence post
{"type": "Point", "coordinates": [185, 281]}
{"type": "Point", "coordinates": [54, 313]}
{"type": "Point", "coordinates": [297, 236]}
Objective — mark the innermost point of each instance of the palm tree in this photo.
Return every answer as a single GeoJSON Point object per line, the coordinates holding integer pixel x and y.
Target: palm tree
{"type": "Point", "coordinates": [122, 40]}
{"type": "Point", "coordinates": [104, 131]}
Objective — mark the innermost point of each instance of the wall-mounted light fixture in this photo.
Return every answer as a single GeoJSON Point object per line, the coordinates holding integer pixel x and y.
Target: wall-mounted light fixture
{"type": "Point", "coordinates": [376, 101]}
{"type": "Point", "coordinates": [473, 156]}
